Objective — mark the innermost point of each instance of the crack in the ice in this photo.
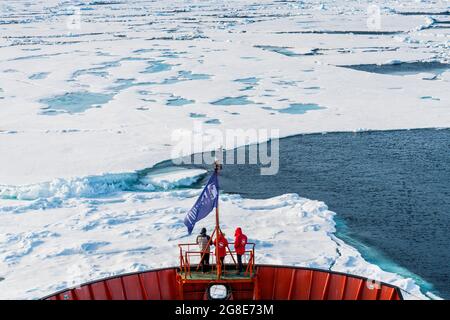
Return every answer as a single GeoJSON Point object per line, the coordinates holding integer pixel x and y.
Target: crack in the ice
{"type": "Point", "coordinates": [338, 252]}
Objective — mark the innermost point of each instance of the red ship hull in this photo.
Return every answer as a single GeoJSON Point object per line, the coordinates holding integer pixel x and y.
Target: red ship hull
{"type": "Point", "coordinates": [268, 283]}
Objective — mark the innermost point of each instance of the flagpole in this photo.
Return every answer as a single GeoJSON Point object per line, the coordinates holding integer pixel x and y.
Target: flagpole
{"type": "Point", "coordinates": [217, 167]}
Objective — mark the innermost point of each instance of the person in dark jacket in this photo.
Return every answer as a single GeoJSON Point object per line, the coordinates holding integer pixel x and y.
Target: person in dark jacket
{"type": "Point", "coordinates": [240, 241]}
{"type": "Point", "coordinates": [222, 243]}
{"type": "Point", "coordinates": [203, 244]}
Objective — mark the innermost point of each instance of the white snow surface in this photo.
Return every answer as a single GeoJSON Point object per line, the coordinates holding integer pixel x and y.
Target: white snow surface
{"type": "Point", "coordinates": [203, 46]}
{"type": "Point", "coordinates": [72, 206]}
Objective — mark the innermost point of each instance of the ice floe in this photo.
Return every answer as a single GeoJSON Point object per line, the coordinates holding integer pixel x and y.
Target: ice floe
{"type": "Point", "coordinates": [116, 73]}
{"type": "Point", "coordinates": [107, 184]}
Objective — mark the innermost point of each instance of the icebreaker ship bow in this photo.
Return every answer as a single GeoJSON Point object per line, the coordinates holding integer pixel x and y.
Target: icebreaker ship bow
{"type": "Point", "coordinates": [257, 282]}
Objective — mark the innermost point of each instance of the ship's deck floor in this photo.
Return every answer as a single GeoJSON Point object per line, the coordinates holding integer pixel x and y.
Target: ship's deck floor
{"type": "Point", "coordinates": [228, 275]}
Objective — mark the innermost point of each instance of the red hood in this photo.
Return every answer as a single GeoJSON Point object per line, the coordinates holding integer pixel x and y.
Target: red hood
{"type": "Point", "coordinates": [238, 232]}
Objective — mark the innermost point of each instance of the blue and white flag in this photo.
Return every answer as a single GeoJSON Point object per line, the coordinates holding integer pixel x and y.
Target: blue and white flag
{"type": "Point", "coordinates": [205, 203]}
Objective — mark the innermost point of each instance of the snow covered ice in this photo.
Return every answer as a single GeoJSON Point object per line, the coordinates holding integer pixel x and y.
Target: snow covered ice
{"type": "Point", "coordinates": [90, 92]}
{"type": "Point", "coordinates": [126, 61]}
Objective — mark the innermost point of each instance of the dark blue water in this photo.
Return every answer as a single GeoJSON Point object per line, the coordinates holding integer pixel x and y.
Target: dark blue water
{"type": "Point", "coordinates": [390, 190]}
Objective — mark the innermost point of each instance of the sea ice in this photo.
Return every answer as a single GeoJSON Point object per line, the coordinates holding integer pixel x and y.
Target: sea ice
{"type": "Point", "coordinates": [79, 173]}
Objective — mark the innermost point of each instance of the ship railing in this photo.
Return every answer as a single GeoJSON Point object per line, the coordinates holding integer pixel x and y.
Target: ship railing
{"type": "Point", "coordinates": [191, 256]}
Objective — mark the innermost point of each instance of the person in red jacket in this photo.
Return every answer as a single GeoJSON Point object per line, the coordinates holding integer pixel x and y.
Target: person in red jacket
{"type": "Point", "coordinates": [240, 241]}
{"type": "Point", "coordinates": [222, 243]}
